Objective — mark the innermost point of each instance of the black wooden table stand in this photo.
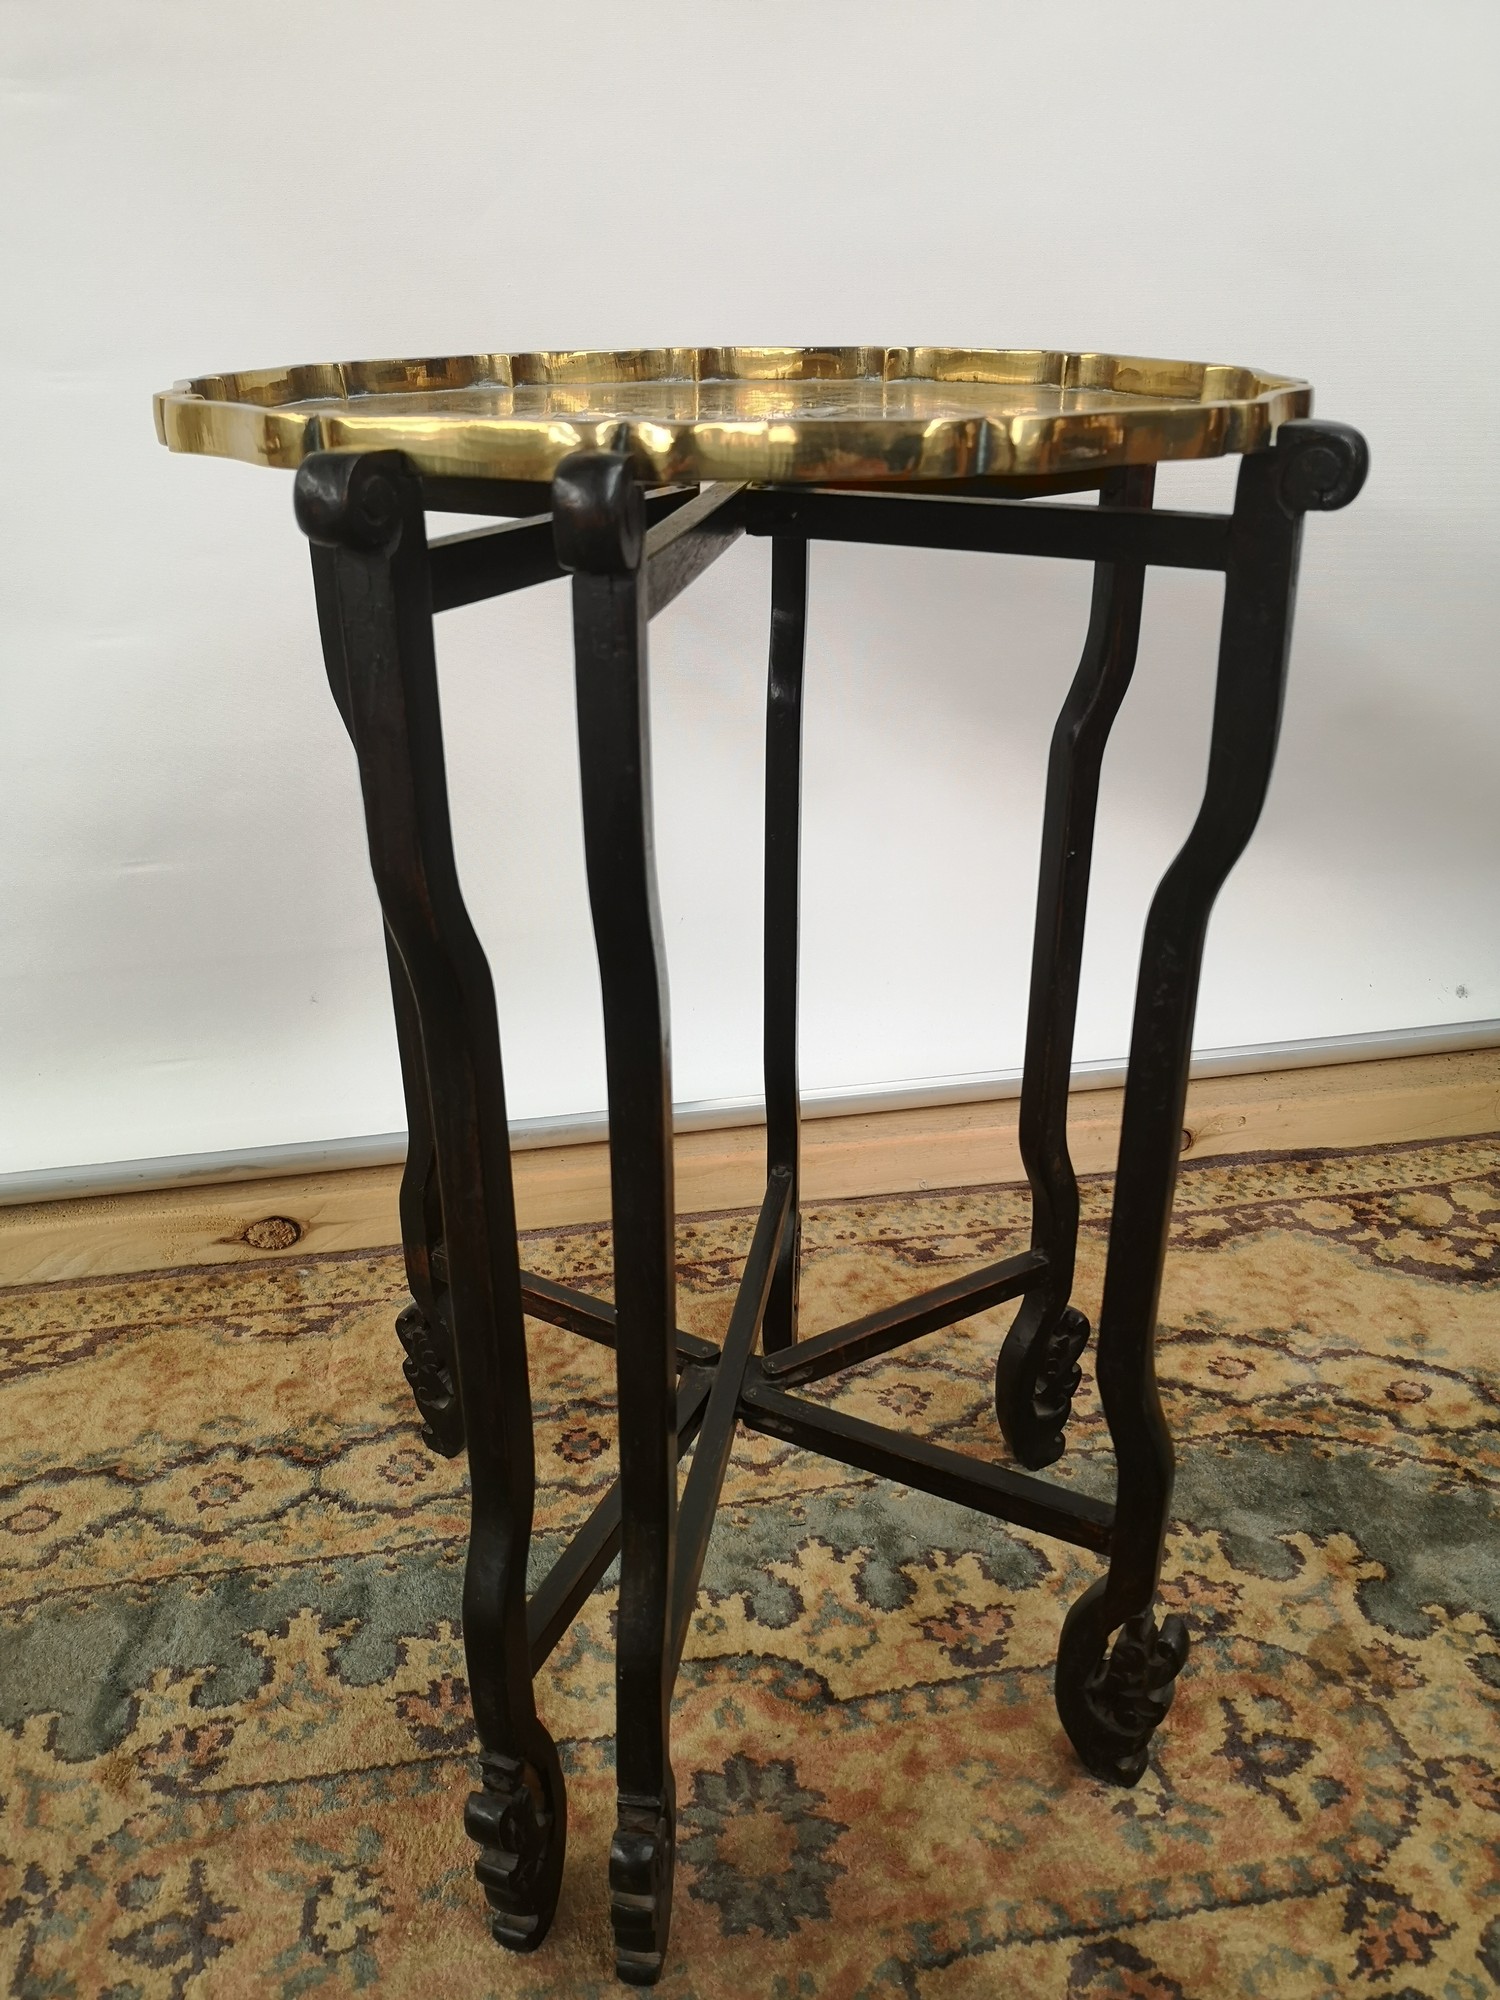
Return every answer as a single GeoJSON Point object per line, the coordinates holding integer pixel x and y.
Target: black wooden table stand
{"type": "Point", "coordinates": [379, 582]}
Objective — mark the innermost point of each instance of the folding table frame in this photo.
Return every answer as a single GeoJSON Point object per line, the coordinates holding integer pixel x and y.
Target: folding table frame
{"type": "Point", "coordinates": [632, 550]}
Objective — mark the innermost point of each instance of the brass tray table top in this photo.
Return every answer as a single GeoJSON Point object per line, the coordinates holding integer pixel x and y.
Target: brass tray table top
{"type": "Point", "coordinates": [775, 415]}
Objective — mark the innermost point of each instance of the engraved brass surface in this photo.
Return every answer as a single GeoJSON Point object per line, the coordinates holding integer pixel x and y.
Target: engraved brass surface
{"type": "Point", "coordinates": [782, 414]}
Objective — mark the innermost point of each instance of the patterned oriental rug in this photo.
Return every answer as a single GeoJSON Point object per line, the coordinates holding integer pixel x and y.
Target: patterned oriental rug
{"type": "Point", "coordinates": [234, 1735]}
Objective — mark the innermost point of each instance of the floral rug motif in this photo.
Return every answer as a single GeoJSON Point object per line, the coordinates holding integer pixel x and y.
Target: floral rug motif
{"type": "Point", "coordinates": [234, 1727]}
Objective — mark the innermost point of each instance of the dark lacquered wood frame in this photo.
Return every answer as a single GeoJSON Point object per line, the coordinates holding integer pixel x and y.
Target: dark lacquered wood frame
{"type": "Point", "coordinates": [379, 583]}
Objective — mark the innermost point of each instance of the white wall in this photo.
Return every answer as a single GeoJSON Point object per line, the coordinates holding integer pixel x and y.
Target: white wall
{"type": "Point", "coordinates": [191, 944]}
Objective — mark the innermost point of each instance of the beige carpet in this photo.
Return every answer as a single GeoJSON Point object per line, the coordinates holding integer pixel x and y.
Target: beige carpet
{"type": "Point", "coordinates": [233, 1721]}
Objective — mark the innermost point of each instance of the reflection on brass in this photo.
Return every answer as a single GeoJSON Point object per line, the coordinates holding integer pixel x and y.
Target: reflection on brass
{"type": "Point", "coordinates": [846, 414]}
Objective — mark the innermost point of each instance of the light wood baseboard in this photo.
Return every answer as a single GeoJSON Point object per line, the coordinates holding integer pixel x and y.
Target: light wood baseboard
{"type": "Point", "coordinates": [888, 1152]}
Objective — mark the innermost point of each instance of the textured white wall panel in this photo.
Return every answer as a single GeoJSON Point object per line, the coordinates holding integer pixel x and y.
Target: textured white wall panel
{"type": "Point", "coordinates": [191, 947]}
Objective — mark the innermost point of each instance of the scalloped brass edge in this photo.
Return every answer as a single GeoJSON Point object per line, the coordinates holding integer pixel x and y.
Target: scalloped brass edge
{"type": "Point", "coordinates": [1186, 410]}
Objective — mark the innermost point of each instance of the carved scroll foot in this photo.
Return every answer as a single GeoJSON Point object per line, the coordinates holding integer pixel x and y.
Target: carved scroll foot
{"type": "Point", "coordinates": [641, 1862]}
{"type": "Point", "coordinates": [1036, 1379]}
{"type": "Point", "coordinates": [1112, 1697]}
{"type": "Point", "coordinates": [520, 1820]}
{"type": "Point", "coordinates": [429, 1376]}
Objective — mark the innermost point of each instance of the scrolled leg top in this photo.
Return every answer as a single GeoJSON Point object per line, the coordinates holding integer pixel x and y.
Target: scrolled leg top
{"type": "Point", "coordinates": [351, 499]}
{"type": "Point", "coordinates": [598, 513]}
{"type": "Point", "coordinates": [1323, 465]}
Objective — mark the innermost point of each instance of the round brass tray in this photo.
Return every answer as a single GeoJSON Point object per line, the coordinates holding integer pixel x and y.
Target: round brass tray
{"type": "Point", "coordinates": [776, 414]}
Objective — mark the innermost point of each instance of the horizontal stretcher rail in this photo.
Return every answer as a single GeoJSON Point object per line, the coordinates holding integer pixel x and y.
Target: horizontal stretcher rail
{"type": "Point", "coordinates": [594, 1318]}
{"type": "Point", "coordinates": [878, 1332]}
{"type": "Point", "coordinates": [952, 1475]}
{"type": "Point", "coordinates": [679, 549]}
{"type": "Point", "coordinates": [491, 562]}
{"type": "Point", "coordinates": [993, 526]}
{"type": "Point", "coordinates": [486, 496]}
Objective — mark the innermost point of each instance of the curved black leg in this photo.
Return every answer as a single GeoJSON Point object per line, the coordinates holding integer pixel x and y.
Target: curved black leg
{"type": "Point", "coordinates": [1037, 1373]}
{"type": "Point", "coordinates": [367, 510]}
{"type": "Point", "coordinates": [783, 868]}
{"type": "Point", "coordinates": [598, 520]}
{"type": "Point", "coordinates": [422, 1327]}
{"type": "Point", "coordinates": [1111, 1697]}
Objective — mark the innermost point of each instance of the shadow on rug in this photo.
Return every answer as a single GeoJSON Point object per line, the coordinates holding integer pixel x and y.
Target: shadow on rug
{"type": "Point", "coordinates": [234, 1733]}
